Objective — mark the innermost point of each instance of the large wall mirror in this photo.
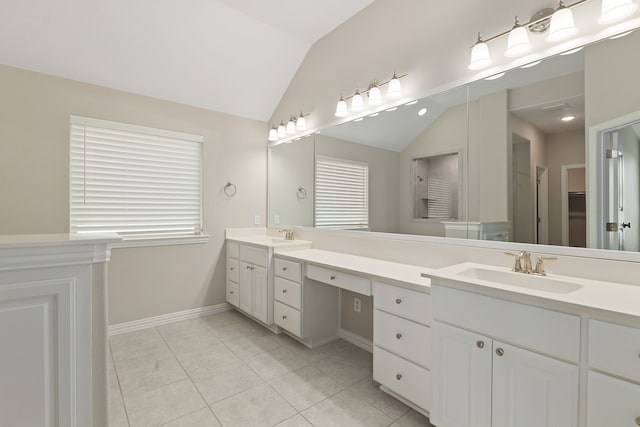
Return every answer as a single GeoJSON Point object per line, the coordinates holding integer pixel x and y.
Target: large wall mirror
{"type": "Point", "coordinates": [546, 154]}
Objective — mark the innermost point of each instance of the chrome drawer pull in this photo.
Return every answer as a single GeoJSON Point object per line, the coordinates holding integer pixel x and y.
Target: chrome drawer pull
{"type": "Point", "coordinates": [398, 301]}
{"type": "Point", "coordinates": [398, 377]}
{"type": "Point", "coordinates": [499, 352]}
{"type": "Point", "coordinates": [332, 277]}
{"type": "Point", "coordinates": [248, 267]}
{"type": "Point", "coordinates": [480, 344]}
{"type": "Point", "coordinates": [398, 335]}
{"type": "Point", "coordinates": [284, 268]}
{"type": "Point", "coordinates": [231, 292]}
{"type": "Point", "coordinates": [284, 317]}
{"type": "Point", "coordinates": [284, 291]}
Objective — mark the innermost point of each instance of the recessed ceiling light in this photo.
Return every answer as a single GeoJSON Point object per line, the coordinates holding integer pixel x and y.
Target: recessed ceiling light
{"type": "Point", "coordinates": [392, 109]}
{"type": "Point", "coordinates": [619, 36]}
{"type": "Point", "coordinates": [495, 76]}
{"type": "Point", "coordinates": [414, 102]}
{"type": "Point", "coordinates": [572, 51]}
{"type": "Point", "coordinates": [568, 118]}
{"type": "Point", "coordinates": [359, 119]}
{"type": "Point", "coordinates": [422, 111]}
{"type": "Point", "coordinates": [531, 64]}
{"type": "Point", "coordinates": [374, 114]}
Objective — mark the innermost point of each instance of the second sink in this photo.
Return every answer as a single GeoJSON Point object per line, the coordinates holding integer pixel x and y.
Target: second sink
{"type": "Point", "coordinates": [540, 283]}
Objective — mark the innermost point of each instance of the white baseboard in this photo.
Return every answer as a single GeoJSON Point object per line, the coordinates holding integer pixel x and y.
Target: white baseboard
{"type": "Point", "coordinates": [357, 340]}
{"type": "Point", "coordinates": [163, 319]}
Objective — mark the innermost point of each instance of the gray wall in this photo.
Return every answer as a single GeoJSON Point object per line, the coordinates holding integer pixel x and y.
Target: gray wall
{"type": "Point", "coordinates": [34, 185]}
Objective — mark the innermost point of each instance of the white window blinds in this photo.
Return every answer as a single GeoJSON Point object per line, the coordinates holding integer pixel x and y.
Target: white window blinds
{"type": "Point", "coordinates": [341, 194]}
{"type": "Point", "coordinates": [133, 180]}
{"type": "Point", "coordinates": [439, 198]}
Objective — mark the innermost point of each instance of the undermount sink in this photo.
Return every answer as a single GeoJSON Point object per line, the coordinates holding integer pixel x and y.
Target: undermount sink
{"type": "Point", "coordinates": [521, 280]}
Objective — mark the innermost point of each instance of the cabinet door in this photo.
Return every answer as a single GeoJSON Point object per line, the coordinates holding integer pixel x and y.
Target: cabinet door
{"type": "Point", "coordinates": [260, 288]}
{"type": "Point", "coordinates": [531, 390]}
{"type": "Point", "coordinates": [245, 287]}
{"type": "Point", "coordinates": [461, 378]}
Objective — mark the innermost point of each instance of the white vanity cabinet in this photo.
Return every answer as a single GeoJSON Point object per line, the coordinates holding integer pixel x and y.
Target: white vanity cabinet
{"type": "Point", "coordinates": [614, 375]}
{"type": "Point", "coordinates": [502, 364]}
{"type": "Point", "coordinates": [402, 343]}
{"type": "Point", "coordinates": [249, 286]}
{"type": "Point", "coordinates": [304, 308]}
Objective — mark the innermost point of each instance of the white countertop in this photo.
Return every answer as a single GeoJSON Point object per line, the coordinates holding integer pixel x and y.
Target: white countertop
{"type": "Point", "coordinates": [271, 242]}
{"type": "Point", "coordinates": [404, 275]}
{"type": "Point", "coordinates": [612, 301]}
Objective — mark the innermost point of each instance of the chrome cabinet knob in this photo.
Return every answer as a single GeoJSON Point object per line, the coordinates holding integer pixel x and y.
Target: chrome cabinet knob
{"type": "Point", "coordinates": [398, 377]}
{"type": "Point", "coordinates": [232, 269]}
{"type": "Point", "coordinates": [284, 291]}
{"type": "Point", "coordinates": [231, 292]}
{"type": "Point", "coordinates": [248, 267]}
{"type": "Point", "coordinates": [284, 317]}
{"type": "Point", "coordinates": [398, 300]}
{"type": "Point", "coordinates": [499, 351]}
{"type": "Point", "coordinates": [480, 344]}
{"type": "Point", "coordinates": [398, 335]}
{"type": "Point", "coordinates": [284, 268]}
{"type": "Point", "coordinates": [332, 277]}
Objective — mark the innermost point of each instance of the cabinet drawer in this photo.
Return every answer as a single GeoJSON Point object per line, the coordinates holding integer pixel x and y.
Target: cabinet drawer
{"type": "Point", "coordinates": [232, 249]}
{"type": "Point", "coordinates": [402, 337]}
{"type": "Point", "coordinates": [612, 402]}
{"type": "Point", "coordinates": [615, 349]}
{"type": "Point", "coordinates": [233, 268]}
{"type": "Point", "coordinates": [403, 302]}
{"type": "Point", "coordinates": [287, 292]}
{"type": "Point", "coordinates": [404, 378]}
{"type": "Point", "coordinates": [287, 269]}
{"type": "Point", "coordinates": [233, 293]}
{"type": "Point", "coordinates": [350, 282]}
{"type": "Point", "coordinates": [287, 318]}
{"type": "Point", "coordinates": [546, 331]}
{"type": "Point", "coordinates": [253, 255]}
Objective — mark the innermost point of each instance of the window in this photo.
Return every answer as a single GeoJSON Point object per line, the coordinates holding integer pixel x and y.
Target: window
{"type": "Point", "coordinates": [436, 186]}
{"type": "Point", "coordinates": [136, 181]}
{"type": "Point", "coordinates": [341, 194]}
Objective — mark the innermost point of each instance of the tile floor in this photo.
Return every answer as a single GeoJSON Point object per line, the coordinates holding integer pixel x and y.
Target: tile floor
{"type": "Point", "coordinates": [226, 370]}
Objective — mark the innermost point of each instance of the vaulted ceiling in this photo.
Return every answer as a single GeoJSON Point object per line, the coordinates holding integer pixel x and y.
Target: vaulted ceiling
{"type": "Point", "coordinates": [232, 56]}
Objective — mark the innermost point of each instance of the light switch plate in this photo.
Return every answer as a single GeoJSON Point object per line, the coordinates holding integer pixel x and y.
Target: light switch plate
{"type": "Point", "coordinates": [256, 220]}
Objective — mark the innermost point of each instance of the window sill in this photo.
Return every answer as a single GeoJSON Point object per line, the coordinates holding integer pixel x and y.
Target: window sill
{"type": "Point", "coordinates": [139, 242]}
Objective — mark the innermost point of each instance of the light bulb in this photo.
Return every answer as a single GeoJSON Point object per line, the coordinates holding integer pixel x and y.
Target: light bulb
{"type": "Point", "coordinates": [375, 98]}
{"type": "Point", "coordinates": [562, 26]}
{"type": "Point", "coordinates": [341, 108]}
{"type": "Point", "coordinates": [518, 42]}
{"type": "Point", "coordinates": [273, 134]}
{"type": "Point", "coordinates": [480, 56]}
{"type": "Point", "coordinates": [394, 90]}
{"type": "Point", "coordinates": [301, 123]}
{"type": "Point", "coordinates": [616, 10]}
{"type": "Point", "coordinates": [357, 103]}
{"type": "Point", "coordinates": [282, 132]}
{"type": "Point", "coordinates": [291, 127]}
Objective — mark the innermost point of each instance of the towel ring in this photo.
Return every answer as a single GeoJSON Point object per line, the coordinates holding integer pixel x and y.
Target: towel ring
{"type": "Point", "coordinates": [230, 189]}
{"type": "Point", "coordinates": [301, 194]}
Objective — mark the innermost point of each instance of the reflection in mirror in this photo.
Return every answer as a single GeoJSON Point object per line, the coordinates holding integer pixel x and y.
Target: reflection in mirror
{"type": "Point", "coordinates": [548, 155]}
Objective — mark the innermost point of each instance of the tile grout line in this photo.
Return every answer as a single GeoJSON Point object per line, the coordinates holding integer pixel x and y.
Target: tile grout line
{"type": "Point", "coordinates": [115, 369]}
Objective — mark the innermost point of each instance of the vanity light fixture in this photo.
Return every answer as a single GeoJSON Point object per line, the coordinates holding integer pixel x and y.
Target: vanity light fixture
{"type": "Point", "coordinates": [562, 25]}
{"type": "Point", "coordinates": [616, 10]}
{"type": "Point", "coordinates": [422, 111]}
{"type": "Point", "coordinates": [414, 102]}
{"type": "Point", "coordinates": [292, 126]}
{"type": "Point", "coordinates": [375, 97]}
{"type": "Point", "coordinates": [621, 35]}
{"type": "Point", "coordinates": [359, 119]}
{"type": "Point", "coordinates": [559, 23]}
{"type": "Point", "coordinates": [391, 109]}
{"type": "Point", "coordinates": [374, 114]}
{"type": "Point", "coordinates": [518, 42]}
{"type": "Point", "coordinates": [572, 51]}
{"type": "Point", "coordinates": [568, 118]}
{"type": "Point", "coordinates": [373, 93]}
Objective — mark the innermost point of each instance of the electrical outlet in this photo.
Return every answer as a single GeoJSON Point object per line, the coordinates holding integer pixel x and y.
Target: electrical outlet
{"type": "Point", "coordinates": [357, 305]}
{"type": "Point", "coordinates": [257, 220]}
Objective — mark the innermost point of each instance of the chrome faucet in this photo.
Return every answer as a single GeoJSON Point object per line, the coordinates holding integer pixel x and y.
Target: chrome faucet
{"type": "Point", "coordinates": [289, 234]}
{"type": "Point", "coordinates": [522, 263]}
